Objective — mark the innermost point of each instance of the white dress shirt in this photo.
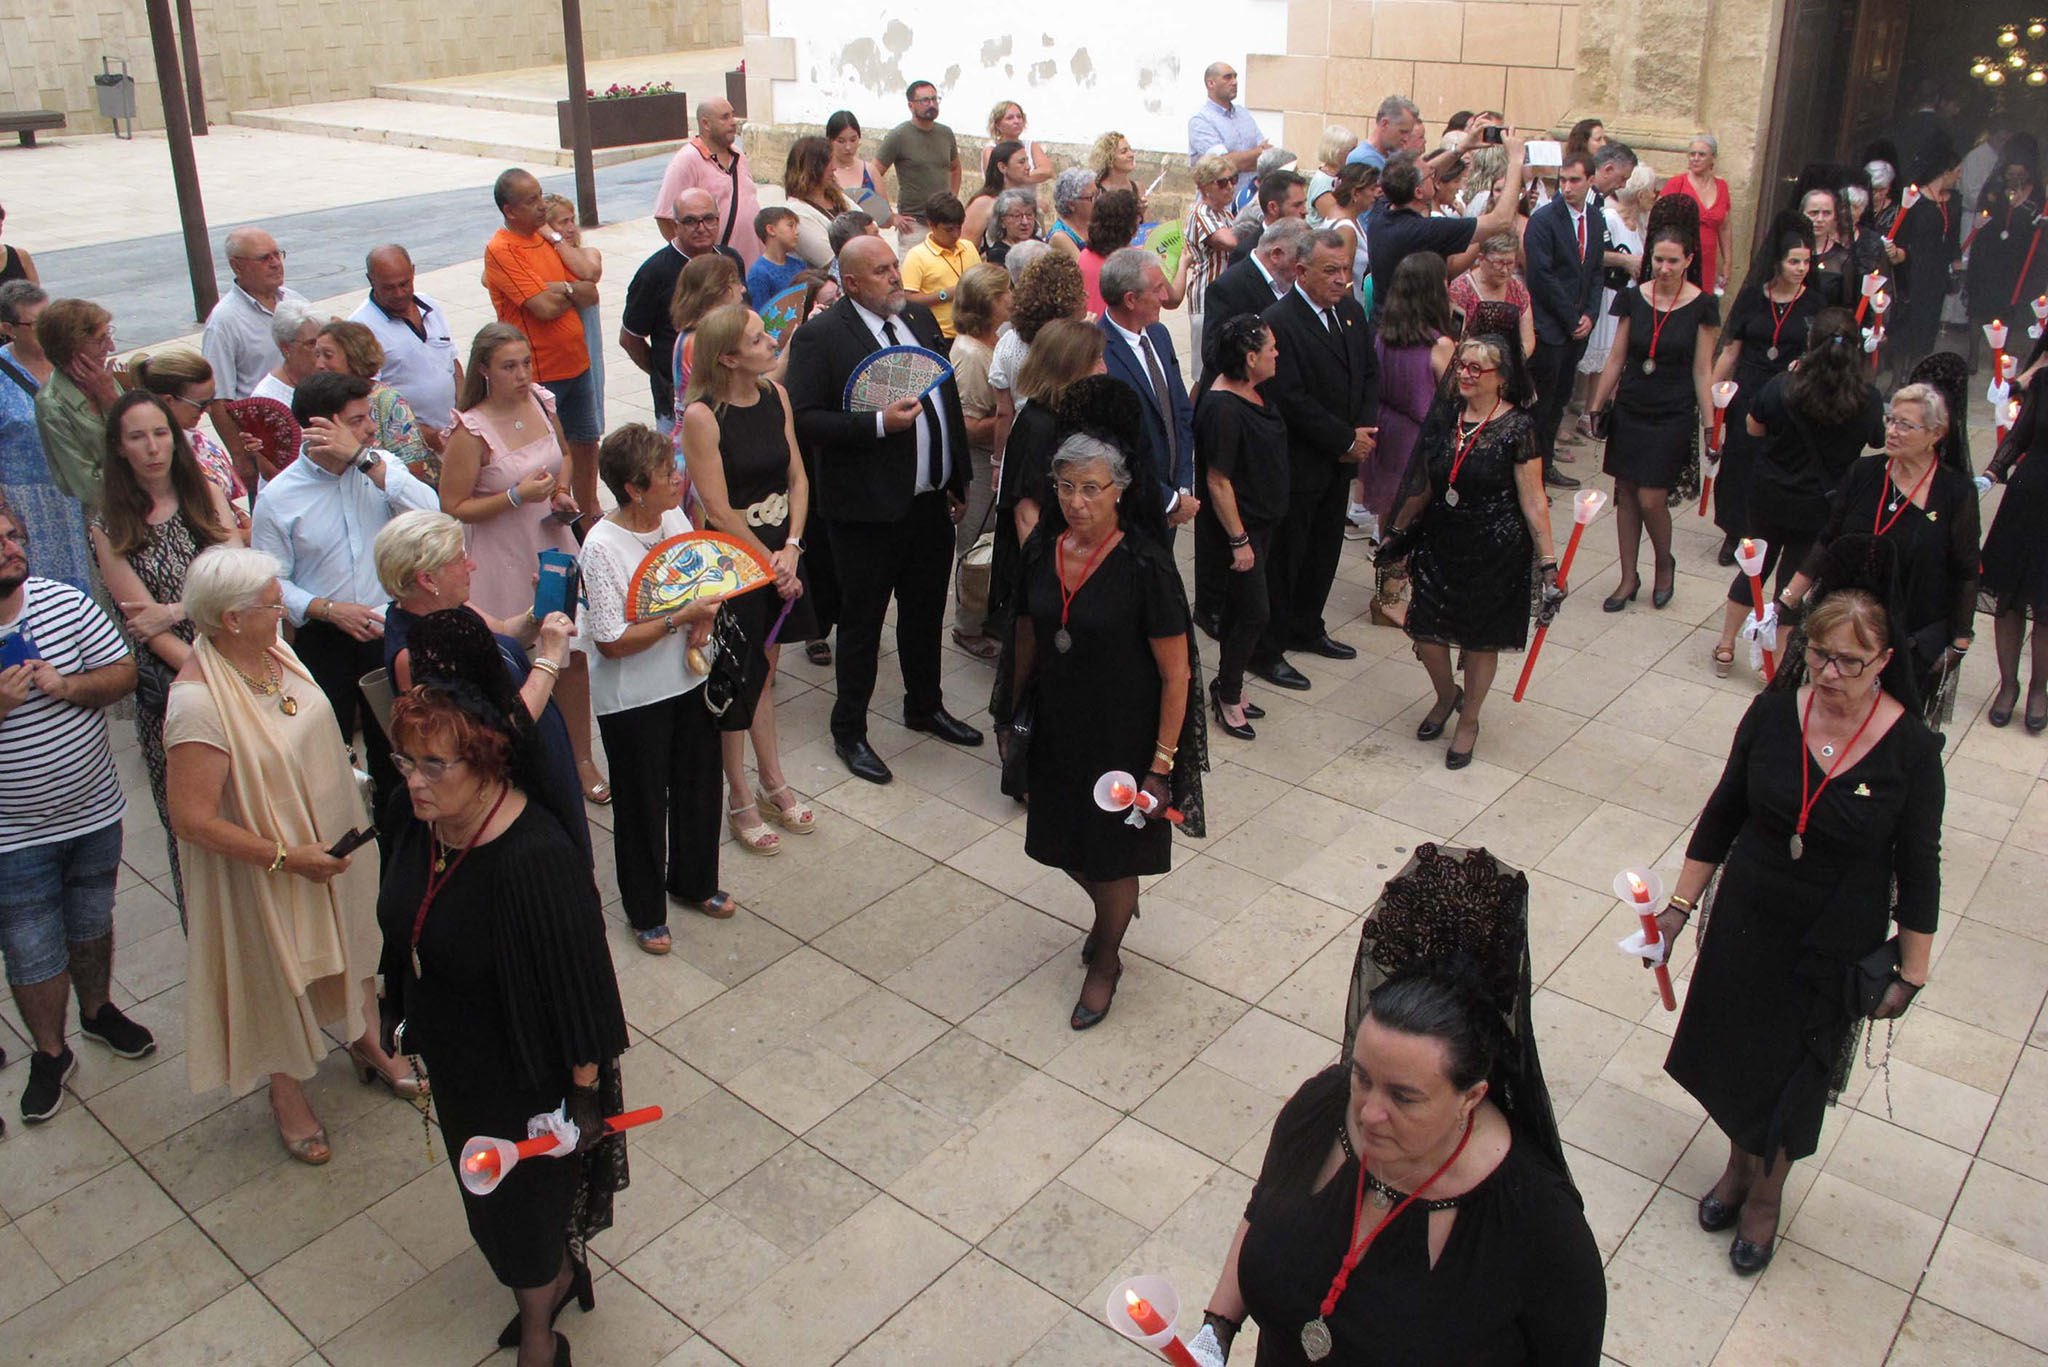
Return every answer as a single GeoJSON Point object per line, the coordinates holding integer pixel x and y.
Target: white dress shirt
{"type": "Point", "coordinates": [238, 343]}
{"type": "Point", "coordinates": [319, 527]}
{"type": "Point", "coordinates": [422, 369]}
{"type": "Point", "coordinates": [1279, 290]}
{"type": "Point", "coordinates": [920, 427]}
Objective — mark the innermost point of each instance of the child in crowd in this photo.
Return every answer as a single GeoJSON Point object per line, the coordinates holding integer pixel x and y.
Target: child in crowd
{"type": "Point", "coordinates": [778, 265]}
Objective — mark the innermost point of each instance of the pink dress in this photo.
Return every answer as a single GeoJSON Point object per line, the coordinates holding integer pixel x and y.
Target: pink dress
{"type": "Point", "coordinates": [1712, 218]}
{"type": "Point", "coordinates": [507, 547]}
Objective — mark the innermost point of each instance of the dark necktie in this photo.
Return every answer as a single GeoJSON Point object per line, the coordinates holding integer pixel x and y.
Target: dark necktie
{"type": "Point", "coordinates": [1165, 406]}
{"type": "Point", "coordinates": [934, 448]}
{"type": "Point", "coordinates": [1582, 237]}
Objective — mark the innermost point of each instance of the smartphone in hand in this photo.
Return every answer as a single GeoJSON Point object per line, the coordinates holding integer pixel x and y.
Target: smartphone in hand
{"type": "Point", "coordinates": [351, 842]}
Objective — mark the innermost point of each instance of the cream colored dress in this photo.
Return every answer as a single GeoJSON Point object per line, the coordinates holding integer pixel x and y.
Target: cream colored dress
{"type": "Point", "coordinates": [271, 957]}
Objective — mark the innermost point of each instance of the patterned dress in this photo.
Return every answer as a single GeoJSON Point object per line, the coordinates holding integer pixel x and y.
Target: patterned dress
{"type": "Point", "coordinates": [52, 518]}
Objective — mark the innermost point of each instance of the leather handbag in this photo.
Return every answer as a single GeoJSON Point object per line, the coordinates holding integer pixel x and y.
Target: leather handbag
{"type": "Point", "coordinates": [1870, 976]}
{"type": "Point", "coordinates": [727, 657]}
{"type": "Point", "coordinates": [1600, 421]}
{"type": "Point", "coordinates": [1016, 781]}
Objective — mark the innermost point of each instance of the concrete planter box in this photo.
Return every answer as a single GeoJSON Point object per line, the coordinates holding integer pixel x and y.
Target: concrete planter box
{"type": "Point", "coordinates": [632, 120]}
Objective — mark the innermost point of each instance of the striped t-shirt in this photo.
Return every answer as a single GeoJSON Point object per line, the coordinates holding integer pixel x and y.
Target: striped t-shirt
{"type": "Point", "coordinates": [57, 777]}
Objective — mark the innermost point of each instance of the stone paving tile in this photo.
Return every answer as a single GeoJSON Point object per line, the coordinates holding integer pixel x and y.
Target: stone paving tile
{"type": "Point", "coordinates": [877, 1116]}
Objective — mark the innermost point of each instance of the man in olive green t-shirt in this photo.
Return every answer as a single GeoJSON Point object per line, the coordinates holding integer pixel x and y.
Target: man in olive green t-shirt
{"type": "Point", "coordinates": [926, 159]}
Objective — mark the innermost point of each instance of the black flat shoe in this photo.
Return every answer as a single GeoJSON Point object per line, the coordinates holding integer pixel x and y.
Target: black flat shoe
{"type": "Point", "coordinates": [1430, 730]}
{"type": "Point", "coordinates": [819, 653]}
{"type": "Point", "coordinates": [1662, 597]}
{"type": "Point", "coordinates": [2002, 716]}
{"type": "Point", "coordinates": [1085, 1019]}
{"type": "Point", "coordinates": [1281, 674]}
{"type": "Point", "coordinates": [1621, 600]}
{"type": "Point", "coordinates": [946, 727]}
{"type": "Point", "coordinates": [2037, 712]}
{"type": "Point", "coordinates": [578, 1291]}
{"type": "Point", "coordinates": [1726, 555]}
{"type": "Point", "coordinates": [861, 760]}
{"type": "Point", "coordinates": [1716, 1215]}
{"type": "Point", "coordinates": [1223, 722]}
{"type": "Point", "coordinates": [1748, 1259]}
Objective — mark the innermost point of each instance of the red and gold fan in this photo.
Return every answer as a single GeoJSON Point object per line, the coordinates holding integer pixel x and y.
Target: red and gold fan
{"type": "Point", "coordinates": [691, 568]}
{"type": "Point", "coordinates": [272, 424]}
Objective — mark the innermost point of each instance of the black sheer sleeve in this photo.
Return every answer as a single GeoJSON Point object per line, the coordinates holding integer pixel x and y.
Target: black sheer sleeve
{"type": "Point", "coordinates": [1728, 806]}
{"type": "Point", "coordinates": [1916, 848]}
{"type": "Point", "coordinates": [554, 968]}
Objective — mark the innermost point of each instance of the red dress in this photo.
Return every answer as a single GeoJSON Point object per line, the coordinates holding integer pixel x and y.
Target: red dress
{"type": "Point", "coordinates": [1712, 218]}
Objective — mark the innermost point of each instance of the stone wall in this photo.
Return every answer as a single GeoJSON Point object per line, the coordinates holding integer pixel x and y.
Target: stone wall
{"type": "Point", "coordinates": [256, 54]}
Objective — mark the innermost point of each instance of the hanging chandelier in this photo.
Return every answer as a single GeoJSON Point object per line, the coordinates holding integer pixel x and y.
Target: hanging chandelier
{"type": "Point", "coordinates": [2020, 57]}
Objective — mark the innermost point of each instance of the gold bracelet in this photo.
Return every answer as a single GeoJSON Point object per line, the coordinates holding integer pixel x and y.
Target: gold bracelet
{"type": "Point", "coordinates": [278, 862]}
{"type": "Point", "coordinates": [548, 667]}
{"type": "Point", "coordinates": [1685, 904]}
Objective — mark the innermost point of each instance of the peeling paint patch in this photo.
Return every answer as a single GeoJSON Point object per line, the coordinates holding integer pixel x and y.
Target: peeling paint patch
{"type": "Point", "coordinates": [1041, 72]}
{"type": "Point", "coordinates": [896, 37]}
{"type": "Point", "coordinates": [1045, 39]}
{"type": "Point", "coordinates": [864, 62]}
{"type": "Point", "coordinates": [1010, 70]}
{"type": "Point", "coordinates": [1082, 66]}
{"type": "Point", "coordinates": [951, 78]}
{"type": "Point", "coordinates": [995, 49]}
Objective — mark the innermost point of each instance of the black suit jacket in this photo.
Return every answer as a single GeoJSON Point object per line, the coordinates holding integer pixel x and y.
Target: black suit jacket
{"type": "Point", "coordinates": [1563, 287]}
{"type": "Point", "coordinates": [1123, 364]}
{"type": "Point", "coordinates": [1242, 288]}
{"type": "Point", "coordinates": [856, 475]}
{"type": "Point", "coordinates": [1326, 387]}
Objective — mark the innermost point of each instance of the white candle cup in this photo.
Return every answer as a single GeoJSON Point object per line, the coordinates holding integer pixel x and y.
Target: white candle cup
{"type": "Point", "coordinates": [1872, 283]}
{"type": "Point", "coordinates": [1653, 883]}
{"type": "Point", "coordinates": [1724, 393]}
{"type": "Point", "coordinates": [2040, 307]}
{"type": "Point", "coordinates": [1749, 554]}
{"type": "Point", "coordinates": [1163, 1298]}
{"type": "Point", "coordinates": [1994, 333]}
{"type": "Point", "coordinates": [1881, 301]}
{"type": "Point", "coordinates": [1586, 505]}
{"type": "Point", "coordinates": [1116, 791]}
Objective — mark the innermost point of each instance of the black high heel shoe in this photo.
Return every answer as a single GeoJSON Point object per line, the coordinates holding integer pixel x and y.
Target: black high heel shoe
{"type": "Point", "coordinates": [1252, 711]}
{"type": "Point", "coordinates": [1662, 597]}
{"type": "Point", "coordinates": [2037, 717]}
{"type": "Point", "coordinates": [1748, 1258]}
{"type": "Point", "coordinates": [1430, 730]}
{"type": "Point", "coordinates": [1223, 723]}
{"type": "Point", "coordinates": [1621, 600]}
{"type": "Point", "coordinates": [2002, 716]}
{"type": "Point", "coordinates": [1087, 1019]}
{"type": "Point", "coordinates": [562, 1351]}
{"type": "Point", "coordinates": [1717, 1215]}
{"type": "Point", "coordinates": [579, 1291]}
{"type": "Point", "coordinates": [1458, 759]}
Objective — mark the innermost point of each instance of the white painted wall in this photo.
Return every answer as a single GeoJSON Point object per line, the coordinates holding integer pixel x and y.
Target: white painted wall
{"type": "Point", "coordinates": [1079, 67]}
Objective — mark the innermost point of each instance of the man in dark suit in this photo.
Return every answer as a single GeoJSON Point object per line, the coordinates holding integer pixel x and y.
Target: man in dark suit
{"type": "Point", "coordinates": [1137, 351]}
{"type": "Point", "coordinates": [1327, 391]}
{"type": "Point", "coordinates": [1564, 246]}
{"type": "Point", "coordinates": [891, 485]}
{"type": "Point", "coordinates": [1252, 286]}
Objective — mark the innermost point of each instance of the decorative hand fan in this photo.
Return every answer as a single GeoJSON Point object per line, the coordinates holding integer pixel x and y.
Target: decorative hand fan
{"type": "Point", "coordinates": [688, 568]}
{"type": "Point", "coordinates": [1165, 242]}
{"type": "Point", "coordinates": [781, 314]}
{"type": "Point", "coordinates": [271, 423]}
{"type": "Point", "coordinates": [893, 374]}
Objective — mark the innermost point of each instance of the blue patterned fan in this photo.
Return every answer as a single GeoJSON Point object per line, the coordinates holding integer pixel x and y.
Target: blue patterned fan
{"type": "Point", "coordinates": [893, 374]}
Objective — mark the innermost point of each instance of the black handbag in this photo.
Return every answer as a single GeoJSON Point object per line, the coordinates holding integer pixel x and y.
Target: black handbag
{"type": "Point", "coordinates": [1870, 976]}
{"type": "Point", "coordinates": [1016, 780]}
{"type": "Point", "coordinates": [727, 656]}
{"type": "Point", "coordinates": [1600, 420]}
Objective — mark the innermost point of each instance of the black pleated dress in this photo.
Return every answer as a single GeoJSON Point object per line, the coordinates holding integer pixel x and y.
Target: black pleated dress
{"type": "Point", "coordinates": [515, 989]}
{"type": "Point", "coordinates": [1656, 418]}
{"type": "Point", "coordinates": [1765, 1037]}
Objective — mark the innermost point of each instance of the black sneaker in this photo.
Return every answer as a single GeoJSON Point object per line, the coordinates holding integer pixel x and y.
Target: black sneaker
{"type": "Point", "coordinates": [117, 1032]}
{"type": "Point", "coordinates": [46, 1079]}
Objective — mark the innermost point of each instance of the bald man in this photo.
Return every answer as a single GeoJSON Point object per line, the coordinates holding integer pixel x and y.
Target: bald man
{"type": "Point", "coordinates": [889, 487]}
{"type": "Point", "coordinates": [646, 334]}
{"type": "Point", "coordinates": [238, 344]}
{"type": "Point", "coordinates": [713, 162]}
{"type": "Point", "coordinates": [420, 359]}
{"type": "Point", "coordinates": [1224, 128]}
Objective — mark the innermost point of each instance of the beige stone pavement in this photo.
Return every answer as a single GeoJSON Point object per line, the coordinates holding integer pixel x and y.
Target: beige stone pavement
{"type": "Point", "coordinates": [884, 1145]}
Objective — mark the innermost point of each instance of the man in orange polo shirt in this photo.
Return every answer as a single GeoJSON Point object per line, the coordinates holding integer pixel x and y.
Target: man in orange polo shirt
{"type": "Point", "coordinates": [533, 291]}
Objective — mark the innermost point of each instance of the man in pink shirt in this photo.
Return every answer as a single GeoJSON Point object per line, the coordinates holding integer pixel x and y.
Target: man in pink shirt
{"type": "Point", "coordinates": [712, 162]}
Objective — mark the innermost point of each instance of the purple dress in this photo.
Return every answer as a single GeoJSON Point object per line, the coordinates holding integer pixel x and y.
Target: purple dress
{"type": "Point", "coordinates": [1407, 386]}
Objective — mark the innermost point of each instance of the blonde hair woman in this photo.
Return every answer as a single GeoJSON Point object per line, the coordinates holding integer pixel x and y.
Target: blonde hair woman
{"type": "Point", "coordinates": [1112, 161]}
{"type": "Point", "coordinates": [1337, 145]}
{"type": "Point", "coordinates": [1006, 124]}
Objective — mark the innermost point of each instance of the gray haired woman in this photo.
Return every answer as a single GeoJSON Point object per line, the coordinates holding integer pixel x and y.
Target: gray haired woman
{"type": "Point", "coordinates": [1102, 651]}
{"type": "Point", "coordinates": [1012, 221]}
{"type": "Point", "coordinates": [295, 327]}
{"type": "Point", "coordinates": [1073, 206]}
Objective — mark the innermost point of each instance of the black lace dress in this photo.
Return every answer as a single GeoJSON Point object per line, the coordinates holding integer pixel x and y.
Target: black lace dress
{"type": "Point", "coordinates": [515, 989]}
{"type": "Point", "coordinates": [1473, 562]}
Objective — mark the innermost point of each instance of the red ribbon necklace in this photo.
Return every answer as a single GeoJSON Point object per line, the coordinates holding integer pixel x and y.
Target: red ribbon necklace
{"type": "Point", "coordinates": [1464, 447]}
{"type": "Point", "coordinates": [1879, 523]}
{"type": "Point", "coordinates": [1806, 803]}
{"type": "Point", "coordinates": [438, 876]}
{"type": "Point", "coordinates": [1061, 641]}
{"type": "Point", "coordinates": [1657, 321]}
{"type": "Point", "coordinates": [1315, 1335]}
{"type": "Point", "coordinates": [1778, 319]}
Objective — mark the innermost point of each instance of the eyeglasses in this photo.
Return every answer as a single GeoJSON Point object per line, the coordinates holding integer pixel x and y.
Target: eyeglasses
{"type": "Point", "coordinates": [698, 221]}
{"type": "Point", "coordinates": [1894, 423]}
{"type": "Point", "coordinates": [1473, 368]}
{"type": "Point", "coordinates": [275, 258]}
{"type": "Point", "coordinates": [1090, 490]}
{"type": "Point", "coordinates": [1847, 666]}
{"type": "Point", "coordinates": [924, 99]}
{"type": "Point", "coordinates": [431, 769]}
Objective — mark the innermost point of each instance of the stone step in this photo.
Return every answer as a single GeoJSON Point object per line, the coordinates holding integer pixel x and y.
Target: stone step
{"type": "Point", "coordinates": [499, 134]}
{"type": "Point", "coordinates": [466, 97]}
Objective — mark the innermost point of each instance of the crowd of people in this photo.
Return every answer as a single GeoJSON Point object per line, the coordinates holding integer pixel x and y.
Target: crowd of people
{"type": "Point", "coordinates": [1388, 349]}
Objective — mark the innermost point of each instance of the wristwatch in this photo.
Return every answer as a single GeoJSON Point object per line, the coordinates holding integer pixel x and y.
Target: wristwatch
{"type": "Point", "coordinates": [945, 296]}
{"type": "Point", "coordinates": [368, 460]}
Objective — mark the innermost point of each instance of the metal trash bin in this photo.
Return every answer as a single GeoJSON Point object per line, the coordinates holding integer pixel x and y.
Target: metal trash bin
{"type": "Point", "coordinates": [116, 93]}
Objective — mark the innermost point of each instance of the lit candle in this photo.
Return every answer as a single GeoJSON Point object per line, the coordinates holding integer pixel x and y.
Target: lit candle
{"type": "Point", "coordinates": [1912, 197]}
{"type": "Point", "coordinates": [2040, 307]}
{"type": "Point", "coordinates": [1639, 893]}
{"type": "Point", "coordinates": [1151, 1324]}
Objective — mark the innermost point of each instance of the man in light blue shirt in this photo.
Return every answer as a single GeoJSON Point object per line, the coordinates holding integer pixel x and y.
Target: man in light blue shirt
{"type": "Point", "coordinates": [1224, 128]}
{"type": "Point", "coordinates": [1392, 126]}
{"type": "Point", "coordinates": [318, 519]}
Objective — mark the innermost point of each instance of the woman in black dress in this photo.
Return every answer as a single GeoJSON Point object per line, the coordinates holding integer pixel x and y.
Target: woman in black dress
{"type": "Point", "coordinates": [1825, 827]}
{"type": "Point", "coordinates": [1442, 1096]}
{"type": "Point", "coordinates": [739, 442]}
{"type": "Point", "coordinates": [1766, 329]}
{"type": "Point", "coordinates": [1928, 510]}
{"type": "Point", "coordinates": [2014, 586]}
{"type": "Point", "coordinates": [2008, 253]}
{"type": "Point", "coordinates": [1063, 352]}
{"type": "Point", "coordinates": [1659, 375]}
{"type": "Point", "coordinates": [1481, 535]}
{"type": "Point", "coordinates": [497, 976]}
{"type": "Point", "coordinates": [1834, 275]}
{"type": "Point", "coordinates": [1809, 425]}
{"type": "Point", "coordinates": [1103, 648]}
{"type": "Point", "coordinates": [1242, 445]}
{"type": "Point", "coordinates": [1930, 240]}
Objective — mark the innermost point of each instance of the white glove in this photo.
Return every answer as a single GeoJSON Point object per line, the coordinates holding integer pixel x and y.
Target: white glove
{"type": "Point", "coordinates": [1206, 1349]}
{"type": "Point", "coordinates": [1761, 634]}
{"type": "Point", "coordinates": [1648, 953]}
{"type": "Point", "coordinates": [558, 1124]}
{"type": "Point", "coordinates": [1984, 483]}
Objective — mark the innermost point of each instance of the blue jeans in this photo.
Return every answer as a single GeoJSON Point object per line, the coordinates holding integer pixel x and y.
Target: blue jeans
{"type": "Point", "coordinates": [576, 404]}
{"type": "Point", "coordinates": [54, 896]}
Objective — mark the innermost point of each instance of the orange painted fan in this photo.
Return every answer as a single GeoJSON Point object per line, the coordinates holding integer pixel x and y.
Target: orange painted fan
{"type": "Point", "coordinates": [690, 568]}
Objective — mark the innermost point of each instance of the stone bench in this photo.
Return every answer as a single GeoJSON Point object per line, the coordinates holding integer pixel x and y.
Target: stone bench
{"type": "Point", "coordinates": [27, 122]}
